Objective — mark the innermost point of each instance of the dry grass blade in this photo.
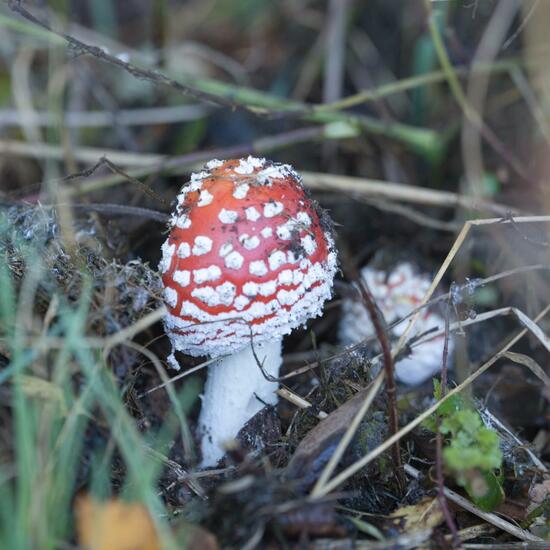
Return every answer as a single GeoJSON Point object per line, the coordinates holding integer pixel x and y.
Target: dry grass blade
{"type": "Point", "coordinates": [491, 518]}
{"type": "Point", "coordinates": [535, 329]}
{"type": "Point", "coordinates": [298, 400]}
{"type": "Point", "coordinates": [400, 192]}
{"type": "Point", "coordinates": [531, 364]}
{"type": "Point", "coordinates": [369, 457]}
{"type": "Point", "coordinates": [331, 182]}
{"type": "Point", "coordinates": [180, 473]}
{"type": "Point", "coordinates": [524, 320]}
{"type": "Point", "coordinates": [188, 372]}
{"type": "Point", "coordinates": [495, 421]}
{"type": "Point", "coordinates": [129, 332]}
{"type": "Point", "coordinates": [185, 432]}
{"type": "Point", "coordinates": [348, 436]}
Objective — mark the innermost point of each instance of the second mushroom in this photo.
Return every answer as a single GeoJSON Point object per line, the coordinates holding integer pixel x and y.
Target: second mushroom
{"type": "Point", "coordinates": [249, 258]}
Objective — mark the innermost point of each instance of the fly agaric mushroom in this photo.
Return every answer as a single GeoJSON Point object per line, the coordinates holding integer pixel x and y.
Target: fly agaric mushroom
{"type": "Point", "coordinates": [397, 293]}
{"type": "Point", "coordinates": [249, 258]}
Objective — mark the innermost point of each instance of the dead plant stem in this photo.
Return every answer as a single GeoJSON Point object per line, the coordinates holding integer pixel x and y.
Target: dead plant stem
{"type": "Point", "coordinates": [442, 499]}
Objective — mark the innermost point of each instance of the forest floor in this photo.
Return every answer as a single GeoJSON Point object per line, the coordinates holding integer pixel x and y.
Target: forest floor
{"type": "Point", "coordinates": [423, 129]}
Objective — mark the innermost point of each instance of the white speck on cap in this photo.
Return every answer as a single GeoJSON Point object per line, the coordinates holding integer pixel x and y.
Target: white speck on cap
{"type": "Point", "coordinates": [252, 214]}
{"type": "Point", "coordinates": [207, 295]}
{"type": "Point", "coordinates": [285, 277]}
{"type": "Point", "coordinates": [276, 259]}
{"type": "Point", "coordinates": [309, 244]}
{"type": "Point", "coordinates": [248, 165]}
{"type": "Point", "coordinates": [167, 250]}
{"type": "Point", "coordinates": [287, 297]}
{"type": "Point", "coordinates": [182, 277]}
{"type": "Point", "coordinates": [284, 231]}
{"type": "Point", "coordinates": [250, 243]}
{"type": "Point", "coordinates": [272, 208]}
{"type": "Point", "coordinates": [170, 296]}
{"type": "Point", "coordinates": [234, 260]}
{"type": "Point", "coordinates": [297, 277]}
{"type": "Point", "coordinates": [205, 198]}
{"type": "Point", "coordinates": [250, 289]}
{"type": "Point", "coordinates": [226, 292]}
{"type": "Point", "coordinates": [291, 257]}
{"type": "Point", "coordinates": [241, 191]}
{"type": "Point", "coordinates": [184, 250]}
{"type": "Point", "coordinates": [196, 179]}
{"type": "Point", "coordinates": [203, 245]}
{"type": "Point", "coordinates": [303, 218]}
{"type": "Point", "coordinates": [257, 267]}
{"type": "Point", "coordinates": [276, 171]}
{"type": "Point", "coordinates": [228, 216]}
{"type": "Point", "coordinates": [266, 232]}
{"type": "Point", "coordinates": [225, 249]}
{"type": "Point", "coordinates": [268, 288]}
{"type": "Point", "coordinates": [183, 221]}
{"type": "Point", "coordinates": [205, 274]}
{"type": "Point", "coordinates": [241, 302]}
{"type": "Point", "coordinates": [214, 163]}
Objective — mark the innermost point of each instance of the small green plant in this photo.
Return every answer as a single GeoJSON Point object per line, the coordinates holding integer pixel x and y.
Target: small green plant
{"type": "Point", "coordinates": [472, 450]}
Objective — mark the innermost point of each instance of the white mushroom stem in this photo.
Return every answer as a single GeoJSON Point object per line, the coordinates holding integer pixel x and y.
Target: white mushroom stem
{"type": "Point", "coordinates": [234, 392]}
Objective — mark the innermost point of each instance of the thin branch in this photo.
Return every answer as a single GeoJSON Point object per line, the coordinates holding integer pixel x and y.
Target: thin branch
{"type": "Point", "coordinates": [99, 119]}
{"type": "Point", "coordinates": [155, 77]}
{"type": "Point", "coordinates": [379, 324]}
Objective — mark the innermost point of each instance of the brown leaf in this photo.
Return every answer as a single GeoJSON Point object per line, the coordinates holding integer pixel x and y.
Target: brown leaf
{"type": "Point", "coordinates": [425, 514]}
{"type": "Point", "coordinates": [114, 525]}
{"type": "Point", "coordinates": [315, 450]}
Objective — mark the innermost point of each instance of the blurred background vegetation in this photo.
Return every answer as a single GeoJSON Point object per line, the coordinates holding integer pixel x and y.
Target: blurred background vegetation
{"type": "Point", "coordinates": [106, 106]}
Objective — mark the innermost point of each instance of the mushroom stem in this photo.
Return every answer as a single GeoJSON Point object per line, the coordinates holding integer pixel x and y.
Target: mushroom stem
{"type": "Point", "coordinates": [234, 392]}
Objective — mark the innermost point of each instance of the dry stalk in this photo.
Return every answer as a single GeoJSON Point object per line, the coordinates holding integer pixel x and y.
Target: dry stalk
{"type": "Point", "coordinates": [439, 442]}
{"type": "Point", "coordinates": [144, 164]}
{"type": "Point", "coordinates": [379, 324]}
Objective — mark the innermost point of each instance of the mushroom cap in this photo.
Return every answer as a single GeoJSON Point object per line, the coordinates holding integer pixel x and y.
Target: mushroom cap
{"type": "Point", "coordinates": [398, 292]}
{"type": "Point", "coordinates": [249, 255]}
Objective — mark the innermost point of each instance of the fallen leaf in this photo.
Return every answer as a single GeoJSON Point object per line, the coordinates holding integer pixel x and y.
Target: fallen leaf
{"type": "Point", "coordinates": [114, 525]}
{"type": "Point", "coordinates": [425, 514]}
{"type": "Point", "coordinates": [315, 450]}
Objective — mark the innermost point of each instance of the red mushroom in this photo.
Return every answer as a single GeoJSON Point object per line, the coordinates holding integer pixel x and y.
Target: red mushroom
{"type": "Point", "coordinates": [249, 258]}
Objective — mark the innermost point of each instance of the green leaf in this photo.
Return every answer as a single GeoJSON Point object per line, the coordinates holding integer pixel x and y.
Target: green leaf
{"type": "Point", "coordinates": [485, 491]}
{"type": "Point", "coordinates": [472, 453]}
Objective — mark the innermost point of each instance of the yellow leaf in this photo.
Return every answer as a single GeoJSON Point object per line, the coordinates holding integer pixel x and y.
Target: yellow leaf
{"type": "Point", "coordinates": [425, 514]}
{"type": "Point", "coordinates": [114, 525]}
